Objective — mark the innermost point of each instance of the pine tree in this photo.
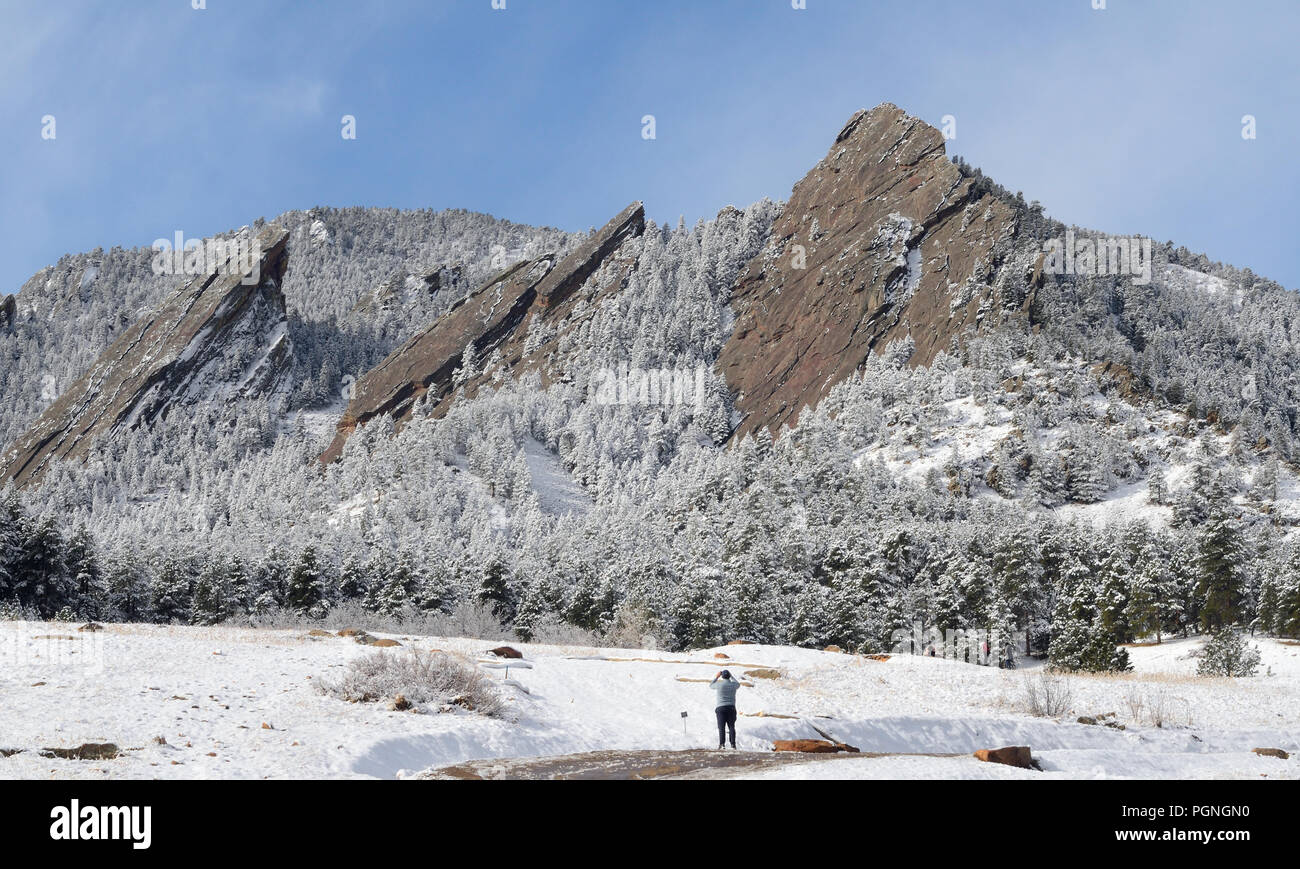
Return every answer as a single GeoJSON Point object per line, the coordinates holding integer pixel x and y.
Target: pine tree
{"type": "Point", "coordinates": [759, 608]}
{"type": "Point", "coordinates": [1080, 642]}
{"type": "Point", "coordinates": [397, 586]}
{"type": "Point", "coordinates": [1153, 597]}
{"type": "Point", "coordinates": [12, 520]}
{"type": "Point", "coordinates": [1263, 488]}
{"type": "Point", "coordinates": [530, 613]}
{"type": "Point", "coordinates": [808, 621]}
{"type": "Point", "coordinates": [307, 584]}
{"type": "Point", "coordinates": [1220, 556]}
{"type": "Point", "coordinates": [1228, 654]}
{"type": "Point", "coordinates": [40, 576]}
{"type": "Point", "coordinates": [697, 613]}
{"type": "Point", "coordinates": [268, 586]}
{"type": "Point", "coordinates": [127, 592]}
{"type": "Point", "coordinates": [170, 591]}
{"type": "Point", "coordinates": [435, 591]}
{"type": "Point", "coordinates": [210, 604]}
{"type": "Point", "coordinates": [494, 589]}
{"type": "Point", "coordinates": [354, 579]}
{"type": "Point", "coordinates": [1018, 576]}
{"type": "Point", "coordinates": [83, 568]}
{"type": "Point", "coordinates": [1157, 487]}
{"type": "Point", "coordinates": [1116, 578]}
{"type": "Point", "coordinates": [1047, 480]}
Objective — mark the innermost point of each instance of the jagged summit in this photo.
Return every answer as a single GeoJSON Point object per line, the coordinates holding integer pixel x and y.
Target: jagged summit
{"type": "Point", "coordinates": [221, 336]}
{"type": "Point", "coordinates": [883, 240]}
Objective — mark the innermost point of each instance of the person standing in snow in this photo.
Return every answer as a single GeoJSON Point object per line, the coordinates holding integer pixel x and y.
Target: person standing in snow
{"type": "Point", "coordinates": [724, 689]}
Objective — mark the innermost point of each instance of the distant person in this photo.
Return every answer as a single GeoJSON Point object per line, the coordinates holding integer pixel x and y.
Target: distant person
{"type": "Point", "coordinates": [724, 689]}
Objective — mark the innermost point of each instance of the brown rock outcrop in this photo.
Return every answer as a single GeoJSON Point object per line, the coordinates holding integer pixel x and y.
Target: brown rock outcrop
{"type": "Point", "coordinates": [191, 347]}
{"type": "Point", "coordinates": [493, 318]}
{"type": "Point", "coordinates": [88, 751]}
{"type": "Point", "coordinates": [1015, 755]}
{"type": "Point", "coordinates": [884, 239]}
{"type": "Point", "coordinates": [809, 746]}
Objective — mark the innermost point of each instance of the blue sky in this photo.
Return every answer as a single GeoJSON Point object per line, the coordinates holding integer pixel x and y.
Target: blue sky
{"type": "Point", "coordinates": [167, 118]}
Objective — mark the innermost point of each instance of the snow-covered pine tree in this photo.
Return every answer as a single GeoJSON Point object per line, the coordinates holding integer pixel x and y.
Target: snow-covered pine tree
{"type": "Point", "coordinates": [170, 592]}
{"type": "Point", "coordinates": [1228, 654]}
{"type": "Point", "coordinates": [1079, 640]}
{"type": "Point", "coordinates": [210, 603]}
{"type": "Point", "coordinates": [308, 582]}
{"type": "Point", "coordinates": [1220, 558]}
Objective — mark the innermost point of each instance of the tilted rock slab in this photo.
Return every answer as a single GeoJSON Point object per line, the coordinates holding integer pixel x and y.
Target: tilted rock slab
{"type": "Point", "coordinates": [216, 338]}
{"type": "Point", "coordinates": [883, 239]}
{"type": "Point", "coordinates": [494, 317]}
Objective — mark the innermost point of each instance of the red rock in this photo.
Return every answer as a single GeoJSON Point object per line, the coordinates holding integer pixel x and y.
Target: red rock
{"type": "Point", "coordinates": [1016, 755]}
{"type": "Point", "coordinates": [884, 201]}
{"type": "Point", "coordinates": [808, 746]}
{"type": "Point", "coordinates": [496, 317]}
{"type": "Point", "coordinates": [155, 363]}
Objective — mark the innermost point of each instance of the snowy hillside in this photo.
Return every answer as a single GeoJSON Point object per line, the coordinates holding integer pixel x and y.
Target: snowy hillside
{"type": "Point", "coordinates": [968, 440]}
{"type": "Point", "coordinates": [242, 703]}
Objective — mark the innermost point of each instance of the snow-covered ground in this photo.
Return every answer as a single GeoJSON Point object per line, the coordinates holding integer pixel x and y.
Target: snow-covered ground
{"type": "Point", "coordinates": [241, 703]}
{"type": "Point", "coordinates": [557, 492]}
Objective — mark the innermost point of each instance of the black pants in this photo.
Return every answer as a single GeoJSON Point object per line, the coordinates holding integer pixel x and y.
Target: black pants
{"type": "Point", "coordinates": [726, 721]}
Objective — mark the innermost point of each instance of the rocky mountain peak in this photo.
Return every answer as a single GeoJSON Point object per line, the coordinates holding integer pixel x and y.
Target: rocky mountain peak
{"type": "Point", "coordinates": [222, 336]}
{"type": "Point", "coordinates": [439, 360]}
{"type": "Point", "coordinates": [883, 240]}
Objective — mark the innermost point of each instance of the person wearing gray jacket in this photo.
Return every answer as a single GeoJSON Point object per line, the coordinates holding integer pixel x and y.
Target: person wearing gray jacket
{"type": "Point", "coordinates": [724, 690]}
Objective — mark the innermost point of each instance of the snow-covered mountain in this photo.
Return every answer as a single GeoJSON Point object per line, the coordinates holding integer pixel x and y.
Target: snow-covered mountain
{"type": "Point", "coordinates": [904, 399]}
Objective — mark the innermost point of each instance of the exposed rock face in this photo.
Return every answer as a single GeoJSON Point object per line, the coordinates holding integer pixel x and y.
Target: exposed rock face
{"type": "Point", "coordinates": [8, 312]}
{"type": "Point", "coordinates": [215, 338]}
{"type": "Point", "coordinates": [884, 239]}
{"type": "Point", "coordinates": [808, 746]}
{"type": "Point", "coordinates": [494, 318]}
{"type": "Point", "coordinates": [1015, 755]}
